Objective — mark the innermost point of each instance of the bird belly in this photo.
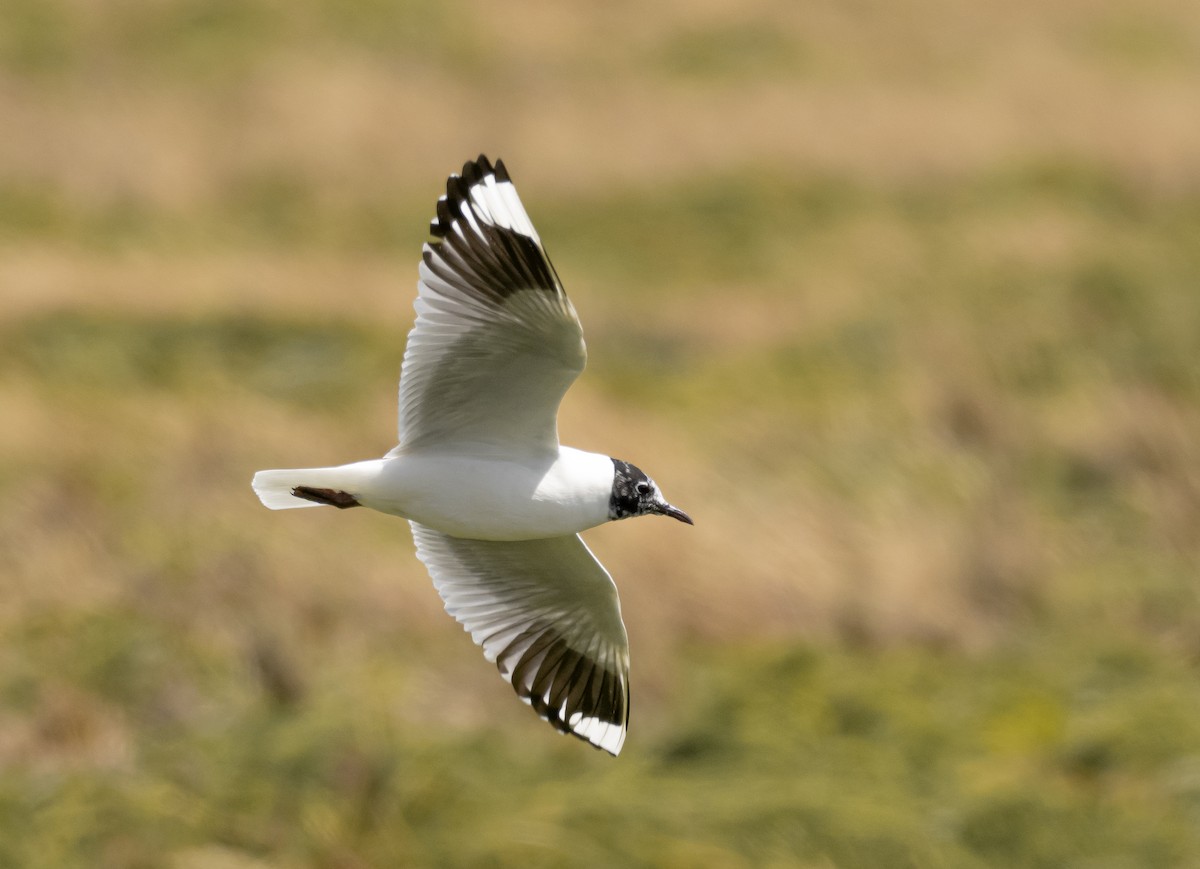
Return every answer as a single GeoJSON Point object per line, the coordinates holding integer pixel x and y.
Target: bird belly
{"type": "Point", "coordinates": [489, 499]}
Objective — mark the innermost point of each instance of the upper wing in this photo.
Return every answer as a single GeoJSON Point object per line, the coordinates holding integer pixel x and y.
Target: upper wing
{"type": "Point", "coordinates": [546, 612]}
{"type": "Point", "coordinates": [496, 341]}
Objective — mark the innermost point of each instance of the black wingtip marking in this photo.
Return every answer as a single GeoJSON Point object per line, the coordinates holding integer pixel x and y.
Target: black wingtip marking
{"type": "Point", "coordinates": [474, 172]}
{"type": "Point", "coordinates": [564, 682]}
{"type": "Point", "coordinates": [477, 169]}
{"type": "Point", "coordinates": [456, 192]}
{"type": "Point", "coordinates": [493, 261]}
{"type": "Point", "coordinates": [440, 225]}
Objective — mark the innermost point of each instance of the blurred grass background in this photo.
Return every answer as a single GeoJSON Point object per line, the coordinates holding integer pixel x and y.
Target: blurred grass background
{"type": "Point", "coordinates": [899, 300]}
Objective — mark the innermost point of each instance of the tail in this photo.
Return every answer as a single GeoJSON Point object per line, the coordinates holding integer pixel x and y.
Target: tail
{"type": "Point", "coordinates": [303, 487]}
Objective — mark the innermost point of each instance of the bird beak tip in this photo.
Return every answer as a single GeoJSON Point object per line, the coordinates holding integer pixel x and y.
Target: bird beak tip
{"type": "Point", "coordinates": [676, 513]}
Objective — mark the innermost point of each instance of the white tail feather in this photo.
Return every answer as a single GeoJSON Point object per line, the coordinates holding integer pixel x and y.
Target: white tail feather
{"type": "Point", "coordinates": [274, 489]}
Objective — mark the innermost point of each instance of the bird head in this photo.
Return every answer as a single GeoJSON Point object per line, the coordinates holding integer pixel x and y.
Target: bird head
{"type": "Point", "coordinates": [635, 494]}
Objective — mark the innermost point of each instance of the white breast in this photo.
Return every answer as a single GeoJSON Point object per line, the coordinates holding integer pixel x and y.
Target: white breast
{"type": "Point", "coordinates": [492, 499]}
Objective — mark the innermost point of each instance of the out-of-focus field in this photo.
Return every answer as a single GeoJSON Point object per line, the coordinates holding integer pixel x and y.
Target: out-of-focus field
{"type": "Point", "coordinates": [901, 300]}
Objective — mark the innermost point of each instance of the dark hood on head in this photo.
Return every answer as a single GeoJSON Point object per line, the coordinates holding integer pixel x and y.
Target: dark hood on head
{"type": "Point", "coordinates": [625, 500]}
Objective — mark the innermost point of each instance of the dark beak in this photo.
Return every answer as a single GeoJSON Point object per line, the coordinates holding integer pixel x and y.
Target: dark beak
{"type": "Point", "coordinates": [676, 513]}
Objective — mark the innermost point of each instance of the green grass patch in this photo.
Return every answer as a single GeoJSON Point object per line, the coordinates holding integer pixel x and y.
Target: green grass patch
{"type": "Point", "coordinates": [781, 753]}
{"type": "Point", "coordinates": [331, 366]}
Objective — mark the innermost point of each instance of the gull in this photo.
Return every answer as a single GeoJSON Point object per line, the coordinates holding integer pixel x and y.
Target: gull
{"type": "Point", "coordinates": [495, 503]}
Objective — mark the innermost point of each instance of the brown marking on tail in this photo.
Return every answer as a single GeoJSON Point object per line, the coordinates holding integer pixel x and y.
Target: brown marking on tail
{"type": "Point", "coordinates": [332, 497]}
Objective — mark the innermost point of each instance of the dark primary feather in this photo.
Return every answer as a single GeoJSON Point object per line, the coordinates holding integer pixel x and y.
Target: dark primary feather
{"type": "Point", "coordinates": [491, 260]}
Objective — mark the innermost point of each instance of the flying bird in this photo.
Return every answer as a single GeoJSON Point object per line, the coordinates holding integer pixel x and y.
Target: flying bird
{"type": "Point", "coordinates": [495, 503]}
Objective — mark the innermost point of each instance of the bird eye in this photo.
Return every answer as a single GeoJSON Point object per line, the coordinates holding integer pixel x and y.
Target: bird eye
{"type": "Point", "coordinates": [642, 488]}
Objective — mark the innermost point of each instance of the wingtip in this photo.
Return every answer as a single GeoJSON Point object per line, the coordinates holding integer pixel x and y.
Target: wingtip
{"type": "Point", "coordinates": [474, 171]}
